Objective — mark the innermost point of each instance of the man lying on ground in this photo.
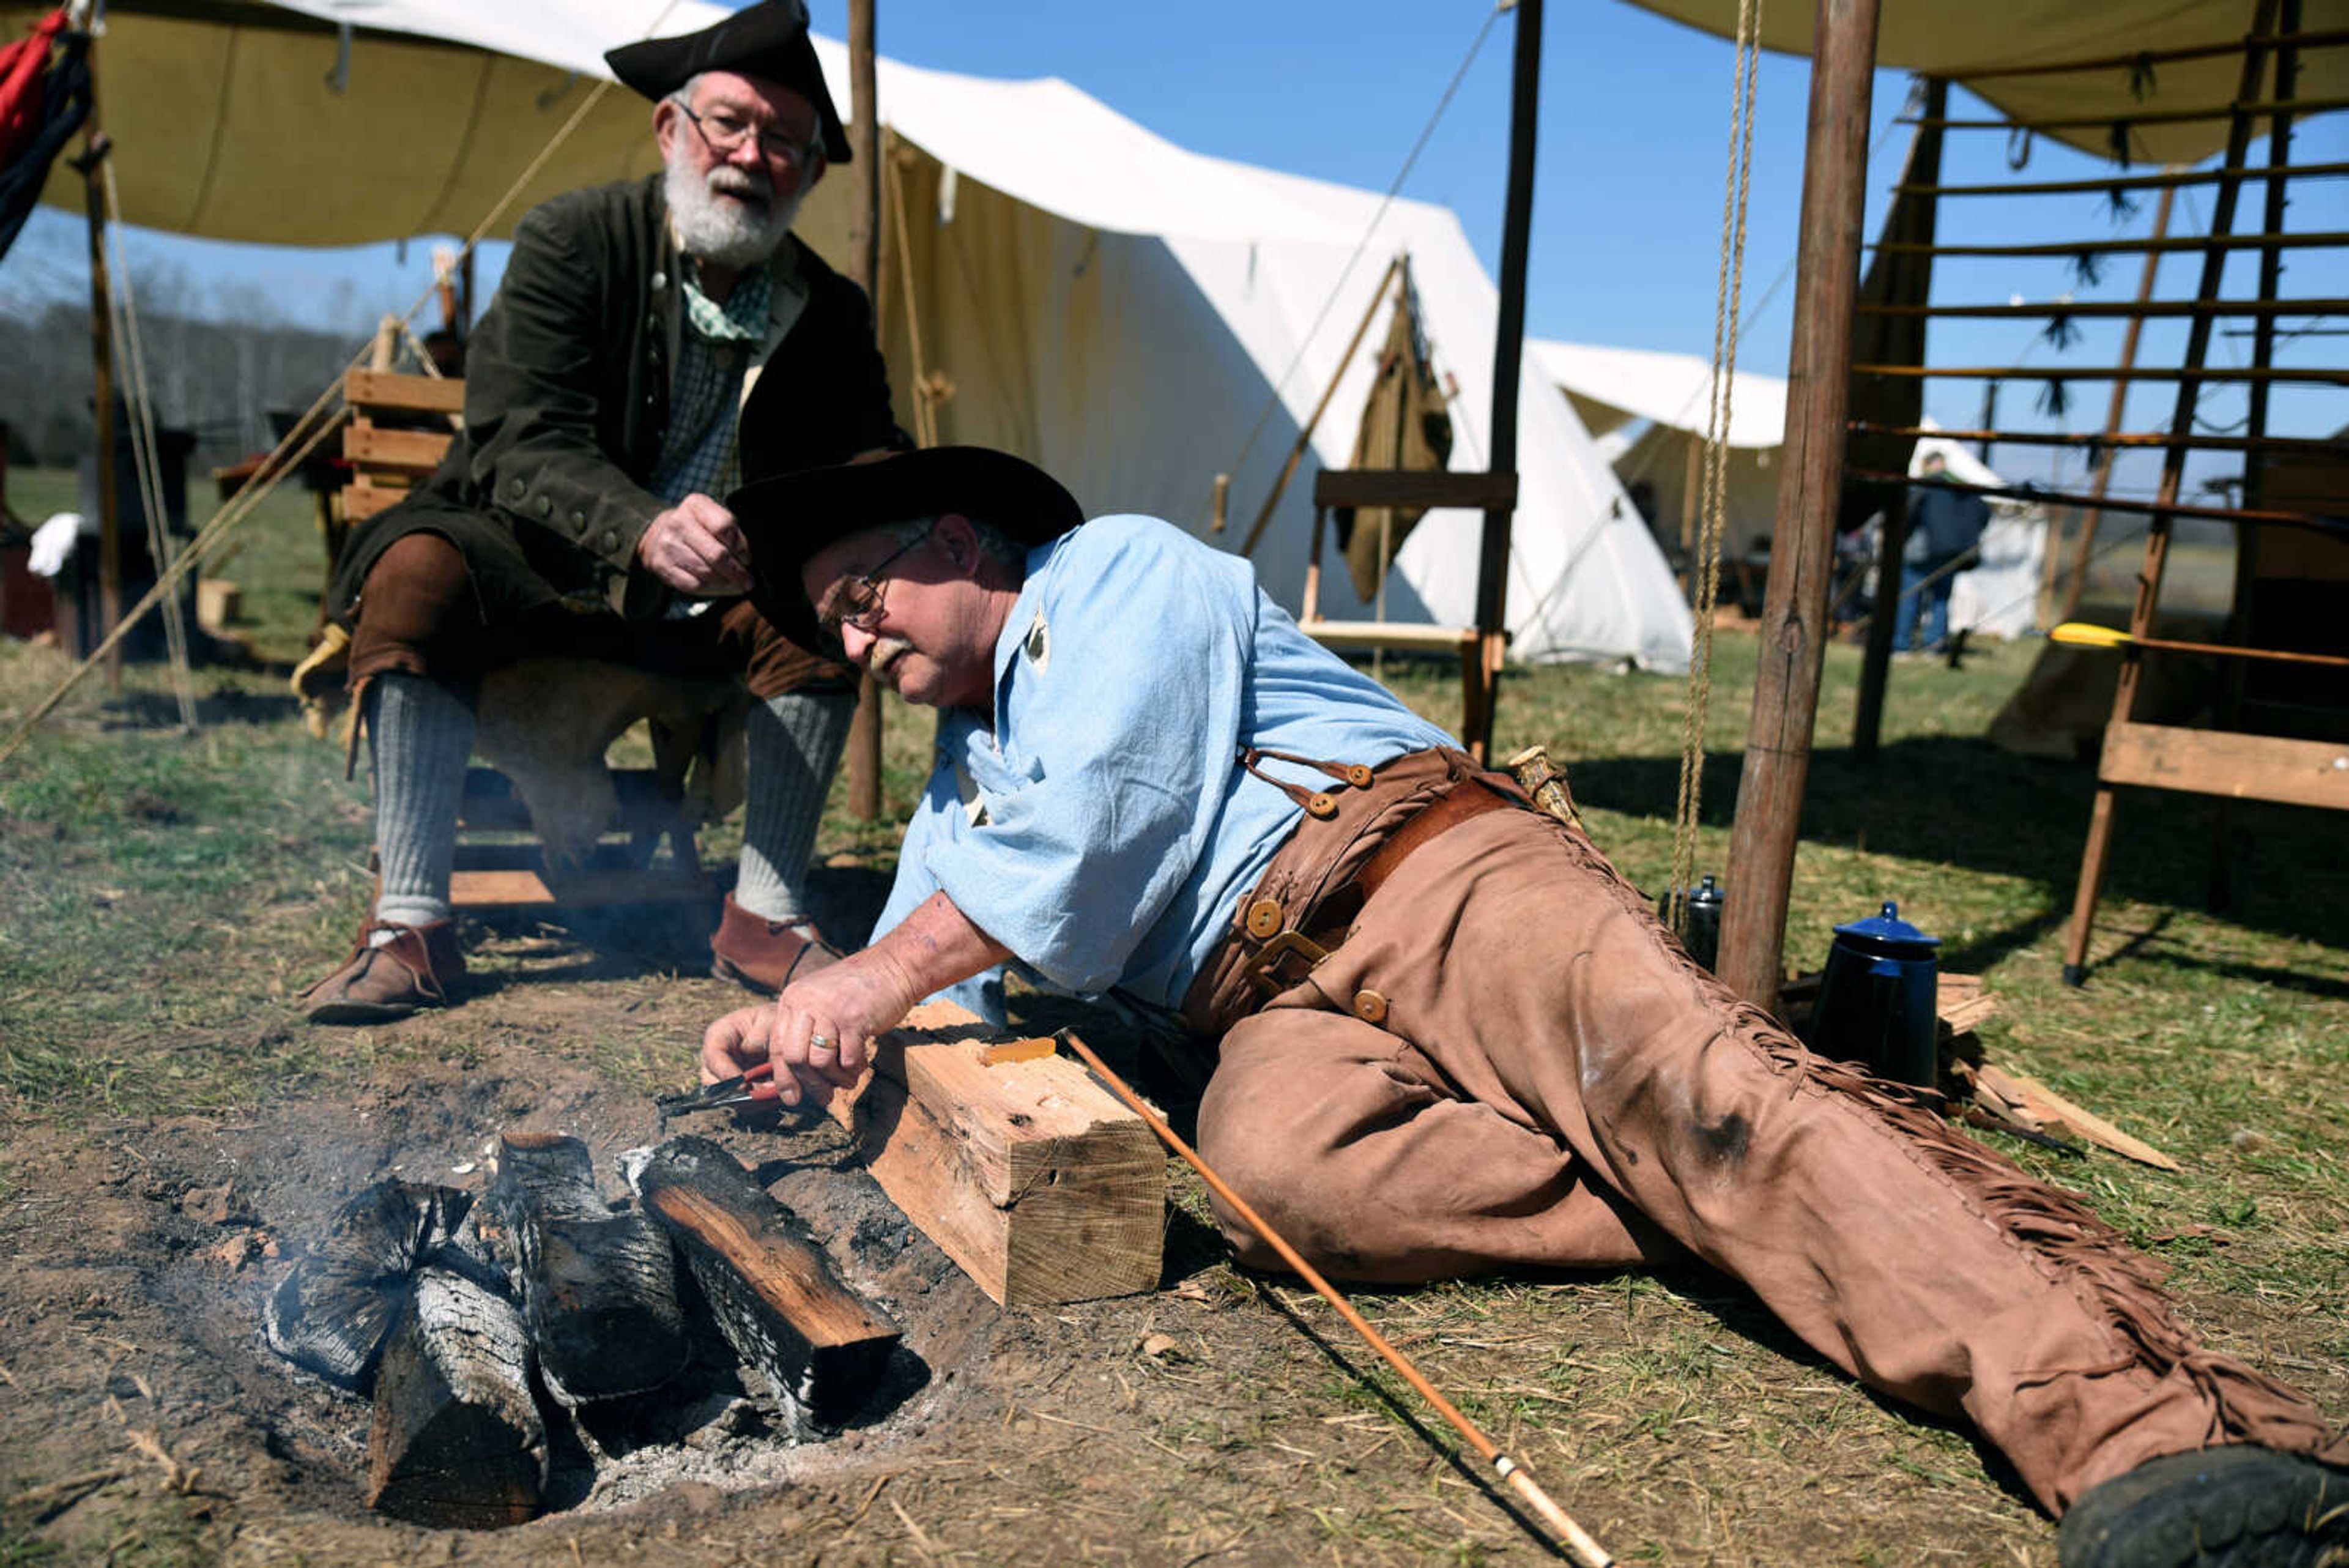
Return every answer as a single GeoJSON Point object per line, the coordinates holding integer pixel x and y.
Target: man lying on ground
{"type": "Point", "coordinates": [1448, 1038]}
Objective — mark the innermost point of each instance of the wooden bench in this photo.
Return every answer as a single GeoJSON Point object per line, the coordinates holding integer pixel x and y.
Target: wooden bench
{"type": "Point", "coordinates": [598, 830]}
{"type": "Point", "coordinates": [1429, 489]}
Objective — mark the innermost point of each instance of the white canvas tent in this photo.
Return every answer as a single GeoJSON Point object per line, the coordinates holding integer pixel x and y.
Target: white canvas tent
{"type": "Point", "coordinates": [1121, 310]}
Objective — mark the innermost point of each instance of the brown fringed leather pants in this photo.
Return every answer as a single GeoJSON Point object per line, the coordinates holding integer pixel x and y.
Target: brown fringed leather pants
{"type": "Point", "coordinates": [1554, 1083]}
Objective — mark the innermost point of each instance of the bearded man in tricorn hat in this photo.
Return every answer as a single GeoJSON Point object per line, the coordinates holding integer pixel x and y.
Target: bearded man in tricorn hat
{"type": "Point", "coordinates": [577, 511]}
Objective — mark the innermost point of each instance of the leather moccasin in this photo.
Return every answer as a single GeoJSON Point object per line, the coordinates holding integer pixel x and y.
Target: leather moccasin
{"type": "Point", "coordinates": [766, 955]}
{"type": "Point", "coordinates": [420, 967]}
{"type": "Point", "coordinates": [2233, 1507]}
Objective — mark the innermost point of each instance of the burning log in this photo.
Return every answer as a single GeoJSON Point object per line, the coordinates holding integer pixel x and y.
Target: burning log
{"type": "Point", "coordinates": [781, 1307]}
{"type": "Point", "coordinates": [333, 1313]}
{"type": "Point", "coordinates": [599, 1288]}
{"type": "Point", "coordinates": [457, 1439]}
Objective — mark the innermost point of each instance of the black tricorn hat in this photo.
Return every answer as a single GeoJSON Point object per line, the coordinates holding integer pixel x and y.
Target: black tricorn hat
{"type": "Point", "coordinates": [769, 40]}
{"type": "Point", "coordinates": [791, 516]}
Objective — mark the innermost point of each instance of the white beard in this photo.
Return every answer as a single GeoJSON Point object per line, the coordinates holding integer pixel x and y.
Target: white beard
{"type": "Point", "coordinates": [716, 228]}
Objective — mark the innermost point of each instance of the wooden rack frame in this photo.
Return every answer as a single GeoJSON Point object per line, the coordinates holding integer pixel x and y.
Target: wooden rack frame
{"type": "Point", "coordinates": [2224, 761]}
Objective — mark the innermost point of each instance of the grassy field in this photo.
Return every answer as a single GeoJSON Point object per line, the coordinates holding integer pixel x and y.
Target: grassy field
{"type": "Point", "coordinates": [163, 894]}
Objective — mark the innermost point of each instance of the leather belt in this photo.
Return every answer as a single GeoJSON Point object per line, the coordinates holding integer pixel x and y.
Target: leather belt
{"type": "Point", "coordinates": [1288, 955]}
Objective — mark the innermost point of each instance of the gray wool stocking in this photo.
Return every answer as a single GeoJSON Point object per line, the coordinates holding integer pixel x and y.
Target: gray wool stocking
{"type": "Point", "coordinates": [419, 734]}
{"type": "Point", "coordinates": [793, 744]}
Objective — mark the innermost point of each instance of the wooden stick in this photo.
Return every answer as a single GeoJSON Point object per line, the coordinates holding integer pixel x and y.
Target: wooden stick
{"type": "Point", "coordinates": [1578, 1542]}
{"type": "Point", "coordinates": [2146, 116]}
{"type": "Point", "coordinates": [2083, 634]}
{"type": "Point", "coordinates": [2167, 178]}
{"type": "Point", "coordinates": [2316, 447]}
{"type": "Point", "coordinates": [2124, 247]}
{"type": "Point", "coordinates": [2164, 505]}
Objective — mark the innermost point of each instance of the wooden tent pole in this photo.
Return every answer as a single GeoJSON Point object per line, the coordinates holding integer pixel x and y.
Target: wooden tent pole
{"type": "Point", "coordinates": [1508, 362]}
{"type": "Point", "coordinates": [94, 148]}
{"type": "Point", "coordinates": [1794, 614]}
{"type": "Point", "coordinates": [865, 269]}
{"type": "Point", "coordinates": [1876, 660]}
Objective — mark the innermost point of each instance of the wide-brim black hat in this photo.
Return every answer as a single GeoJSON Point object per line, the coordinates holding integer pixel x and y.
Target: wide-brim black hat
{"type": "Point", "coordinates": [791, 516]}
{"type": "Point", "coordinates": [768, 40]}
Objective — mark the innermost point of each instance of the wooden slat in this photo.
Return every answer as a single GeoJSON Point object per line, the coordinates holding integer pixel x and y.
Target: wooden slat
{"type": "Point", "coordinates": [1415, 487]}
{"type": "Point", "coordinates": [1028, 1174]}
{"type": "Point", "coordinates": [2156, 506]}
{"type": "Point", "coordinates": [2328, 376]}
{"type": "Point", "coordinates": [2217, 763]}
{"type": "Point", "coordinates": [2121, 247]}
{"type": "Point", "coordinates": [2319, 448]}
{"type": "Point", "coordinates": [405, 451]}
{"type": "Point", "coordinates": [370, 390]}
{"type": "Point", "coordinates": [361, 502]}
{"type": "Point", "coordinates": [1390, 634]}
{"type": "Point", "coordinates": [2142, 116]}
{"type": "Point", "coordinates": [2166, 180]}
{"type": "Point", "coordinates": [491, 804]}
{"type": "Point", "coordinates": [2114, 309]}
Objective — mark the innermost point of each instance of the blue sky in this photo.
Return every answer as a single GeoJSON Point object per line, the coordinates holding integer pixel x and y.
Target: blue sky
{"type": "Point", "coordinates": [1628, 177]}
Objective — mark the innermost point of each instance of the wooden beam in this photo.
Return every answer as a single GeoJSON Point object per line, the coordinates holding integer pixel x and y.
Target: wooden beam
{"type": "Point", "coordinates": [2232, 766]}
{"type": "Point", "coordinates": [616, 889]}
{"type": "Point", "coordinates": [865, 270]}
{"type": "Point", "coordinates": [2120, 309]}
{"type": "Point", "coordinates": [2141, 117]}
{"type": "Point", "coordinates": [2128, 247]}
{"type": "Point", "coordinates": [1472, 491]}
{"type": "Point", "coordinates": [2166, 180]}
{"type": "Point", "coordinates": [1794, 630]}
{"type": "Point", "coordinates": [2319, 447]}
{"type": "Point", "coordinates": [1028, 1175]}
{"type": "Point", "coordinates": [785, 1313]}
{"type": "Point", "coordinates": [2326, 377]}
{"type": "Point", "coordinates": [392, 390]}
{"type": "Point", "coordinates": [1508, 364]}
{"type": "Point", "coordinates": [1460, 639]}
{"type": "Point", "coordinates": [2158, 504]}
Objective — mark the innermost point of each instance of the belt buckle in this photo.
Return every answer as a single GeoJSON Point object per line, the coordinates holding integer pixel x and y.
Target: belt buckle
{"type": "Point", "coordinates": [1263, 967]}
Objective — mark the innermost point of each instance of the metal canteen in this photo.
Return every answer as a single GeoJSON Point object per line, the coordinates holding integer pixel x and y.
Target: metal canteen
{"type": "Point", "coordinates": [1704, 940]}
{"type": "Point", "coordinates": [1878, 1004]}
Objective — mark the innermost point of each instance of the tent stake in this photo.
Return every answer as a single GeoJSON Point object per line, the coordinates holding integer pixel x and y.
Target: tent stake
{"type": "Point", "coordinates": [1585, 1551]}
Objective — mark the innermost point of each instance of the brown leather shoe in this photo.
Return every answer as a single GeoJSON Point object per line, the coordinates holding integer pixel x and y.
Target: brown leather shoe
{"type": "Point", "coordinates": [420, 967]}
{"type": "Point", "coordinates": [766, 955]}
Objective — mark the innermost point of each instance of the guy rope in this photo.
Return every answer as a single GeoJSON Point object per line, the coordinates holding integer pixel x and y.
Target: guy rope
{"type": "Point", "coordinates": [1727, 301]}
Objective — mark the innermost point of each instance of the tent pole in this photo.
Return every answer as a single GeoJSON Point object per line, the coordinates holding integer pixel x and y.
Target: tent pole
{"type": "Point", "coordinates": [1876, 658]}
{"type": "Point", "coordinates": [1508, 358]}
{"type": "Point", "coordinates": [865, 270]}
{"type": "Point", "coordinates": [1794, 614]}
{"type": "Point", "coordinates": [94, 148]}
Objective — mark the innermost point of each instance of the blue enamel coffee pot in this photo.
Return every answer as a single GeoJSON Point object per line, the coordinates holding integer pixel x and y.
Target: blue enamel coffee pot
{"type": "Point", "coordinates": [1878, 1004]}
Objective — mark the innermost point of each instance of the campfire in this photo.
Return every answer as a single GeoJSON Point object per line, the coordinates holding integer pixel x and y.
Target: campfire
{"type": "Point", "coordinates": [492, 1333]}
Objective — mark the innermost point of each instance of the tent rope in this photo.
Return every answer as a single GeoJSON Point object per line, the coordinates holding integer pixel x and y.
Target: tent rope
{"type": "Point", "coordinates": [1395, 187]}
{"type": "Point", "coordinates": [280, 463]}
{"type": "Point", "coordinates": [144, 457]}
{"type": "Point", "coordinates": [1728, 302]}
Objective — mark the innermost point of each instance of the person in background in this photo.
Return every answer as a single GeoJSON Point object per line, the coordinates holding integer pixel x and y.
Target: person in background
{"type": "Point", "coordinates": [1945, 529]}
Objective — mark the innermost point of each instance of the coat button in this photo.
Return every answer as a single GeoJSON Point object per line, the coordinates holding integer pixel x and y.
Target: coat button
{"type": "Point", "coordinates": [1370, 1007]}
{"type": "Point", "coordinates": [1358, 775]}
{"type": "Point", "coordinates": [514, 487]}
{"type": "Point", "coordinates": [609, 542]}
{"type": "Point", "coordinates": [579, 522]}
{"type": "Point", "coordinates": [1264, 919]}
{"type": "Point", "coordinates": [1321, 807]}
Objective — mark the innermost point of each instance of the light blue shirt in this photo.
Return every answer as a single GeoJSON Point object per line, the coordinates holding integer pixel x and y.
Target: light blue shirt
{"type": "Point", "coordinates": [1102, 828]}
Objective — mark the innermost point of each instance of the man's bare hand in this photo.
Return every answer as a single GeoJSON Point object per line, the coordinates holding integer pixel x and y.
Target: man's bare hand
{"type": "Point", "coordinates": [697, 547]}
{"type": "Point", "coordinates": [818, 1033]}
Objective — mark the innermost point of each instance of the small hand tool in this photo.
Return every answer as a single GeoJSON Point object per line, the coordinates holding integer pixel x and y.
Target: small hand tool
{"type": "Point", "coordinates": [755, 1086]}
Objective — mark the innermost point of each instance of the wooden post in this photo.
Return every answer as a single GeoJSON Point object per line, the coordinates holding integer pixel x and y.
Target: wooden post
{"type": "Point", "coordinates": [1794, 614]}
{"type": "Point", "coordinates": [1508, 359]}
{"type": "Point", "coordinates": [2094, 856]}
{"type": "Point", "coordinates": [94, 148]}
{"type": "Point", "coordinates": [1876, 660]}
{"type": "Point", "coordinates": [2116, 411]}
{"type": "Point", "coordinates": [865, 269]}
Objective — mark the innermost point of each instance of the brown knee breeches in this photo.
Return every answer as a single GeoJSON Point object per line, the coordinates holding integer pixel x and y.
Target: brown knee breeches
{"type": "Point", "coordinates": [1552, 1081]}
{"type": "Point", "coordinates": [419, 614]}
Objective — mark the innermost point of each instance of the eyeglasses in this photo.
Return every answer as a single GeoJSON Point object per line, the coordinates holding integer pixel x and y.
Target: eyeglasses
{"type": "Point", "coordinates": [725, 132]}
{"type": "Point", "coordinates": [857, 601]}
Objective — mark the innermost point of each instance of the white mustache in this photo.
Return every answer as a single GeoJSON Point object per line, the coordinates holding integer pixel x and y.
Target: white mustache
{"type": "Point", "coordinates": [729, 180]}
{"type": "Point", "coordinates": [884, 651]}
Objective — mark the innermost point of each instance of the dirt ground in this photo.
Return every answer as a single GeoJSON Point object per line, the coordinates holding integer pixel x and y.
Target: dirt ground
{"type": "Point", "coordinates": [1221, 1419]}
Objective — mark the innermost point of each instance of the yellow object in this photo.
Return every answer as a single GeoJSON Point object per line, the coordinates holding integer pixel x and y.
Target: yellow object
{"type": "Point", "coordinates": [2084, 634]}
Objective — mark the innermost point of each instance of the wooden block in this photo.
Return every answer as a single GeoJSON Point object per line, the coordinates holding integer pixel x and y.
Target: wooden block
{"type": "Point", "coordinates": [362, 501]}
{"type": "Point", "coordinates": [2056, 1113]}
{"type": "Point", "coordinates": [332, 1314]}
{"type": "Point", "coordinates": [457, 1439]}
{"type": "Point", "coordinates": [1962, 1003]}
{"type": "Point", "coordinates": [783, 1309]}
{"type": "Point", "coordinates": [218, 600]}
{"type": "Point", "coordinates": [516, 889]}
{"type": "Point", "coordinates": [1029, 1175]}
{"type": "Point", "coordinates": [1390, 634]}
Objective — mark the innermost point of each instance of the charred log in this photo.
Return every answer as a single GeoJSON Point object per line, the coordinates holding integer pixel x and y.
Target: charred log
{"type": "Point", "coordinates": [785, 1313]}
{"type": "Point", "coordinates": [458, 1440]}
{"type": "Point", "coordinates": [598, 1289]}
{"type": "Point", "coordinates": [334, 1311]}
